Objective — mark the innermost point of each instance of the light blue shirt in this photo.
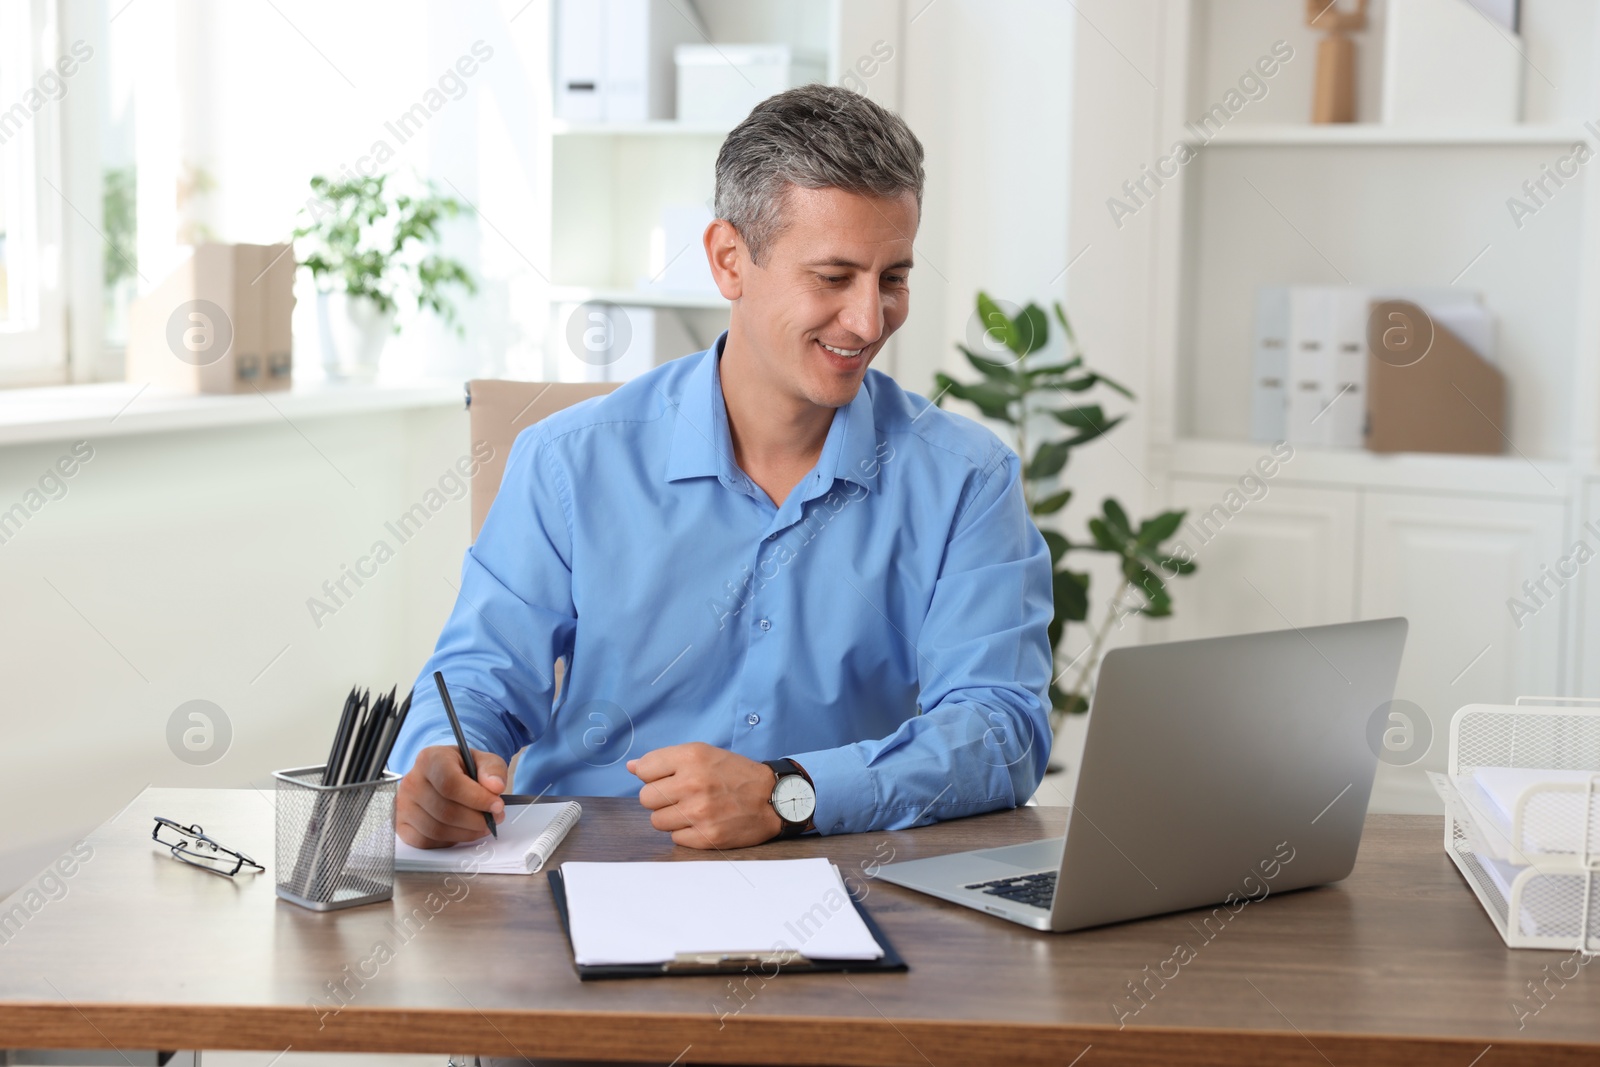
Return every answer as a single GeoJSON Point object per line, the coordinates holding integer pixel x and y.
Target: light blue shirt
{"type": "Point", "coordinates": [886, 627]}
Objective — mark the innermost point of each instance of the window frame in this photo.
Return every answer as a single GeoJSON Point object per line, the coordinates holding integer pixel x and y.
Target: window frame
{"type": "Point", "coordinates": [31, 170]}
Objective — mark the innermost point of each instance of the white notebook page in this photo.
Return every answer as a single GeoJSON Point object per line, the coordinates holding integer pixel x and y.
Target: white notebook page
{"type": "Point", "coordinates": [650, 912]}
{"type": "Point", "coordinates": [529, 835]}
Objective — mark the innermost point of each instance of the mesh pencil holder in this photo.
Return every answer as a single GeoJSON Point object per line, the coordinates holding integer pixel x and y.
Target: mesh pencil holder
{"type": "Point", "coordinates": [335, 844]}
{"type": "Point", "coordinates": [1536, 868]}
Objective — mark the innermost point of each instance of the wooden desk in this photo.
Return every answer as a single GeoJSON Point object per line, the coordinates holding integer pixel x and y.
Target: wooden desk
{"type": "Point", "coordinates": [1396, 965]}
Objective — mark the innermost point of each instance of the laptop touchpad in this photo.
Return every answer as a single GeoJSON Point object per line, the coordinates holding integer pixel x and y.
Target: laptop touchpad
{"type": "Point", "coordinates": [1028, 856]}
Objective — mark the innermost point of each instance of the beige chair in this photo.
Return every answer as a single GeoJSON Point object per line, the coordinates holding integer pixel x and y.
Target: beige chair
{"type": "Point", "coordinates": [499, 410]}
{"type": "Point", "coordinates": [496, 412]}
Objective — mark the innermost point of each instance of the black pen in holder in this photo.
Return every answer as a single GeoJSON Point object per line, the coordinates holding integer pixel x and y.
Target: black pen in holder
{"type": "Point", "coordinates": [335, 843]}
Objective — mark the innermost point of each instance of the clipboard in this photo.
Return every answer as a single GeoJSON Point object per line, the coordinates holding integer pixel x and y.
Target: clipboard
{"type": "Point", "coordinates": [728, 963]}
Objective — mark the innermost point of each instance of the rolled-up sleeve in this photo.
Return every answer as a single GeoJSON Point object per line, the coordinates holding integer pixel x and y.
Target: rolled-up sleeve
{"type": "Point", "coordinates": [982, 739]}
{"type": "Point", "coordinates": [513, 617]}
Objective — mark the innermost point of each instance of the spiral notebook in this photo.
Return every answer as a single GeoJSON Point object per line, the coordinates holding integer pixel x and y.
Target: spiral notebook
{"type": "Point", "coordinates": [529, 835]}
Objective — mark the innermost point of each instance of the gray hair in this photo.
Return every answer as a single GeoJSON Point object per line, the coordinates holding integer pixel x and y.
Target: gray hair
{"type": "Point", "coordinates": [816, 137]}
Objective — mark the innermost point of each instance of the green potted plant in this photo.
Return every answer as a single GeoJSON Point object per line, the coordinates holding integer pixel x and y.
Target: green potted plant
{"type": "Point", "coordinates": [1050, 402]}
{"type": "Point", "coordinates": [367, 248]}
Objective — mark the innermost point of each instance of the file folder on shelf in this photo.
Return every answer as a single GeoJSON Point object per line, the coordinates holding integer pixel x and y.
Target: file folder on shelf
{"type": "Point", "coordinates": [1311, 309]}
{"type": "Point", "coordinates": [1269, 401]}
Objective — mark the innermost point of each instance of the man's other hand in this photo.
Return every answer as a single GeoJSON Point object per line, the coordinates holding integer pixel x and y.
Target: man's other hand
{"type": "Point", "coordinates": [707, 797]}
{"type": "Point", "coordinates": [438, 805]}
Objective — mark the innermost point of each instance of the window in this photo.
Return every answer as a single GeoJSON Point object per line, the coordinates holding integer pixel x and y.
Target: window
{"type": "Point", "coordinates": [32, 84]}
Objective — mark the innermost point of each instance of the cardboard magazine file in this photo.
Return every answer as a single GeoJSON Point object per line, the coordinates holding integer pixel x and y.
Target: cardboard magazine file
{"type": "Point", "coordinates": [1449, 400]}
{"type": "Point", "coordinates": [218, 323]}
{"type": "Point", "coordinates": [277, 314]}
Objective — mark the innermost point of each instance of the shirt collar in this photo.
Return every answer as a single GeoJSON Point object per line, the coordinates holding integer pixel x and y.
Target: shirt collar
{"type": "Point", "coordinates": [858, 456]}
{"type": "Point", "coordinates": [701, 445]}
{"type": "Point", "coordinates": [703, 448]}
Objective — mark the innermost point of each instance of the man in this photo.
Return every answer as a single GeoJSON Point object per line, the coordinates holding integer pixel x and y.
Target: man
{"type": "Point", "coordinates": [788, 594]}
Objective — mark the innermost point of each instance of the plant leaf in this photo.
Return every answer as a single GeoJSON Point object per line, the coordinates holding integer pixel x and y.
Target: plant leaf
{"type": "Point", "coordinates": [1090, 380]}
{"type": "Point", "coordinates": [1048, 460]}
{"type": "Point", "coordinates": [1104, 539]}
{"type": "Point", "coordinates": [1033, 330]}
{"type": "Point", "coordinates": [1084, 417]}
{"type": "Point", "coordinates": [1156, 530]}
{"type": "Point", "coordinates": [1066, 327]}
{"type": "Point", "coordinates": [1057, 544]}
{"type": "Point", "coordinates": [1040, 375]}
{"type": "Point", "coordinates": [992, 399]}
{"type": "Point", "coordinates": [997, 324]}
{"type": "Point", "coordinates": [1116, 516]}
{"type": "Point", "coordinates": [998, 371]}
{"type": "Point", "coordinates": [1099, 431]}
{"type": "Point", "coordinates": [1071, 589]}
{"type": "Point", "coordinates": [1053, 503]}
{"type": "Point", "coordinates": [1068, 703]}
{"type": "Point", "coordinates": [1158, 602]}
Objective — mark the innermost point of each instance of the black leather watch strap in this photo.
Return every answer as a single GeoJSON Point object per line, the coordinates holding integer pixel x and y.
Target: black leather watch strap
{"type": "Point", "coordinates": [782, 768]}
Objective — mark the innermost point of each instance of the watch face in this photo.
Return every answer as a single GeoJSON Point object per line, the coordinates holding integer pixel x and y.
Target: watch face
{"type": "Point", "coordinates": [794, 798]}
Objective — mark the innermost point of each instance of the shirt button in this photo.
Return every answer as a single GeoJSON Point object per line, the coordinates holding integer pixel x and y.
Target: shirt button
{"type": "Point", "coordinates": [752, 718]}
{"type": "Point", "coordinates": [765, 624]}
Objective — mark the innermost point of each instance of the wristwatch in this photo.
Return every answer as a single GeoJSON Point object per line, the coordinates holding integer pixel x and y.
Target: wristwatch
{"type": "Point", "coordinates": [794, 798]}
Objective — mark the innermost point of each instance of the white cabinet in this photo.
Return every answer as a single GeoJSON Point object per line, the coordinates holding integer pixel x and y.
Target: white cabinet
{"type": "Point", "coordinates": [1450, 565]}
{"type": "Point", "coordinates": [1285, 559]}
{"type": "Point", "coordinates": [1585, 672]}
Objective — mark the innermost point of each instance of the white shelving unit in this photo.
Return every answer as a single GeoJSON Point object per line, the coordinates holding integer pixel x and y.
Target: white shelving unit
{"type": "Point", "coordinates": [657, 128]}
{"type": "Point", "coordinates": [1371, 133]}
{"type": "Point", "coordinates": [1447, 541]}
{"type": "Point", "coordinates": [611, 183]}
{"type": "Point", "coordinates": [579, 294]}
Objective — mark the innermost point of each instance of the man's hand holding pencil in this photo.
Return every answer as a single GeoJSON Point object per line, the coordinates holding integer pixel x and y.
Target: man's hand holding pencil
{"type": "Point", "coordinates": [438, 805]}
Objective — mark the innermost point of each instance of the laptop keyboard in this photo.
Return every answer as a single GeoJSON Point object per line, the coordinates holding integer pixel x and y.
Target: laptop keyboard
{"type": "Point", "coordinates": [1035, 889]}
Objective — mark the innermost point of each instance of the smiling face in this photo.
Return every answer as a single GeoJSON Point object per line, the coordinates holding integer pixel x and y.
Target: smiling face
{"type": "Point", "coordinates": [833, 286]}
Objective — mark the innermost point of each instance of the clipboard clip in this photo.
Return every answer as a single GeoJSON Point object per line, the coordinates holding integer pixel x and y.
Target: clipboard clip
{"type": "Point", "coordinates": [690, 962]}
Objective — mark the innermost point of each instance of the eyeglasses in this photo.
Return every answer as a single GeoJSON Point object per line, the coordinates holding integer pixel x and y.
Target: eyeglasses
{"type": "Point", "coordinates": [193, 847]}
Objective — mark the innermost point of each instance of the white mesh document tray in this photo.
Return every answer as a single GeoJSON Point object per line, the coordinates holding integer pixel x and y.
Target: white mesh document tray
{"type": "Point", "coordinates": [1522, 817]}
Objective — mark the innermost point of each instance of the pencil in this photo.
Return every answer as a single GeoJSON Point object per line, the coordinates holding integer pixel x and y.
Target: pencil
{"type": "Point", "coordinates": [461, 741]}
{"type": "Point", "coordinates": [340, 735]}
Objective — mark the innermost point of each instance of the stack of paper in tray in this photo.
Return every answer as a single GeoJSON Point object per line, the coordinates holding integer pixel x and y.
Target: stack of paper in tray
{"type": "Point", "coordinates": [1492, 793]}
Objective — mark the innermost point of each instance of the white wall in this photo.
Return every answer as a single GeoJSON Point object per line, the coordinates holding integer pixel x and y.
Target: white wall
{"type": "Point", "coordinates": [1110, 290]}
{"type": "Point", "coordinates": [177, 567]}
{"type": "Point", "coordinates": [988, 89]}
{"type": "Point", "coordinates": [1027, 111]}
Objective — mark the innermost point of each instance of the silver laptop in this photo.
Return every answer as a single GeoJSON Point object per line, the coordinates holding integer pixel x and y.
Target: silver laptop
{"type": "Point", "coordinates": [1213, 771]}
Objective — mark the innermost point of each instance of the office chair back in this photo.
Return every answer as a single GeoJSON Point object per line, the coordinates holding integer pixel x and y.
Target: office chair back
{"type": "Point", "coordinates": [499, 410]}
